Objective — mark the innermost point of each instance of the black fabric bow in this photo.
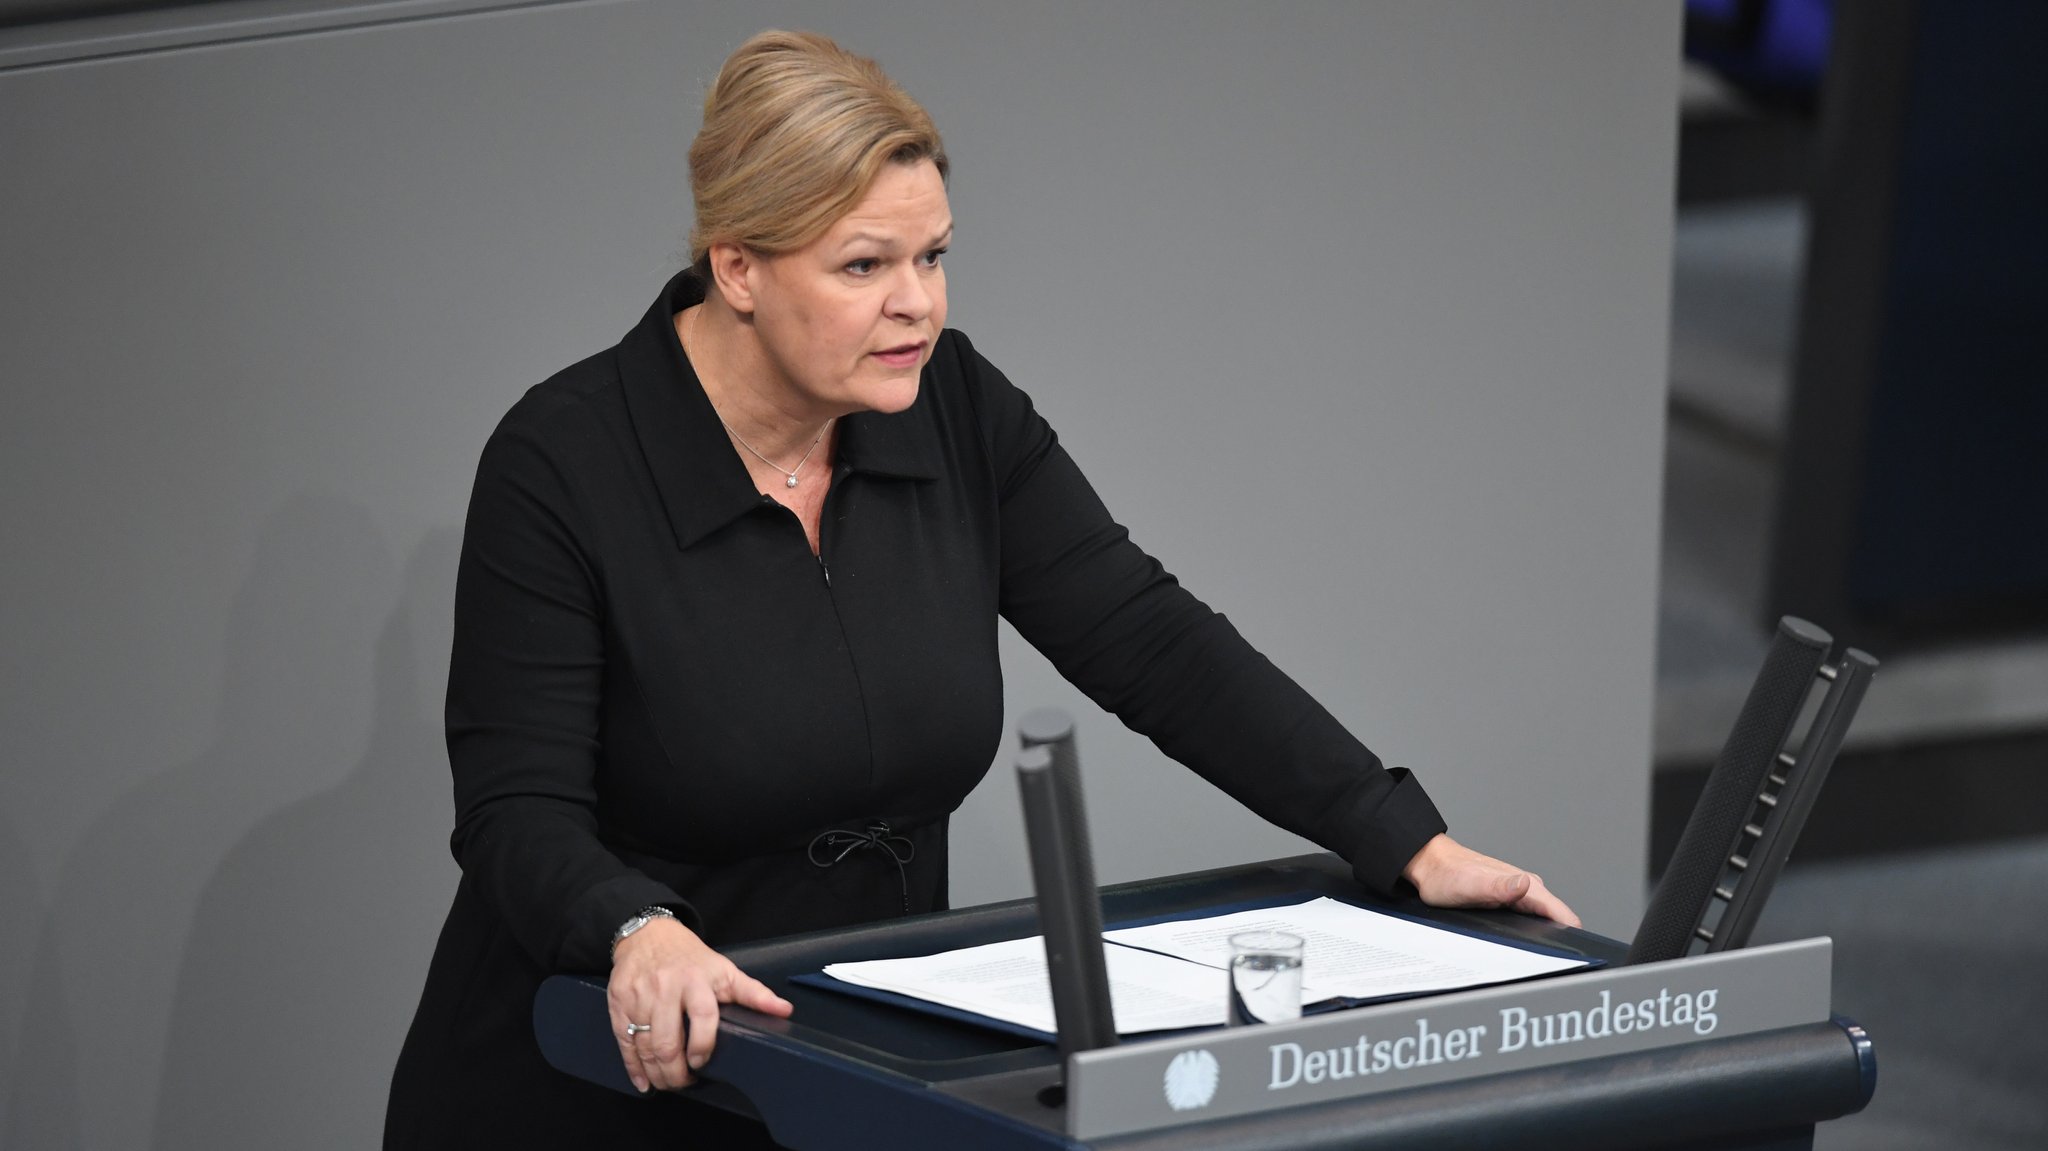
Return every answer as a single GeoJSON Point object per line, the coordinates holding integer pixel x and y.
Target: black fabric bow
{"type": "Point", "coordinates": [829, 847]}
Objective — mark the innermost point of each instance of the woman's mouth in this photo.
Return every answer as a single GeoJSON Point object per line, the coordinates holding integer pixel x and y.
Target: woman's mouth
{"type": "Point", "coordinates": [902, 355]}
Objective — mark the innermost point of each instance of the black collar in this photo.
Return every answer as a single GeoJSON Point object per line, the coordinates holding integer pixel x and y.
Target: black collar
{"type": "Point", "coordinates": [703, 483]}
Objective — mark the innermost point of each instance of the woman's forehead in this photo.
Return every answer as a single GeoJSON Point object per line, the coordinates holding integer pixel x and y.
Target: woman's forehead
{"type": "Point", "coordinates": [907, 204]}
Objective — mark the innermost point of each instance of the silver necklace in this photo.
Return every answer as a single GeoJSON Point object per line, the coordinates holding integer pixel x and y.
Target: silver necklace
{"type": "Point", "coordinates": [789, 472]}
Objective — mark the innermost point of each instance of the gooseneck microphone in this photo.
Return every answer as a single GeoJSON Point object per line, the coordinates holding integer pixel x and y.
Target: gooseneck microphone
{"type": "Point", "coordinates": [1063, 876]}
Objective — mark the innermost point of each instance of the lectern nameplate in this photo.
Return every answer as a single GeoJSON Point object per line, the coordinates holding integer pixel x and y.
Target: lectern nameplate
{"type": "Point", "coordinates": [1611, 1011]}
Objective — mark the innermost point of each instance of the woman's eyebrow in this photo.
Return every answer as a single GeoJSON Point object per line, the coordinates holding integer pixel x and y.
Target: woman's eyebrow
{"type": "Point", "coordinates": [868, 237]}
{"type": "Point", "coordinates": [889, 242]}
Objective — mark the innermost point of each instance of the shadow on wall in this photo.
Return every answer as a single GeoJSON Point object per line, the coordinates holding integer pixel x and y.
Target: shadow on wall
{"type": "Point", "coordinates": [50, 1055]}
{"type": "Point", "coordinates": [298, 984]}
{"type": "Point", "coordinates": [268, 1020]}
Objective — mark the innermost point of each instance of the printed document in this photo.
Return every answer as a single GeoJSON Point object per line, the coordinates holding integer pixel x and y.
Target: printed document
{"type": "Point", "coordinates": [1171, 975]}
{"type": "Point", "coordinates": [1007, 981]}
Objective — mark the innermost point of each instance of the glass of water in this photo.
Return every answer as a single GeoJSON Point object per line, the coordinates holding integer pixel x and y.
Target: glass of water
{"type": "Point", "coordinates": [1265, 978]}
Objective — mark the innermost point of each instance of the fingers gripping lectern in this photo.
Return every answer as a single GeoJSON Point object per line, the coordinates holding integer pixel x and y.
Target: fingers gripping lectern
{"type": "Point", "coordinates": [1685, 1038]}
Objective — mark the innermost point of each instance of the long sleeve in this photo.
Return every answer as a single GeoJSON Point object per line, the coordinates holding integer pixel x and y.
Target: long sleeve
{"type": "Point", "coordinates": [1124, 631]}
{"type": "Point", "coordinates": [523, 715]}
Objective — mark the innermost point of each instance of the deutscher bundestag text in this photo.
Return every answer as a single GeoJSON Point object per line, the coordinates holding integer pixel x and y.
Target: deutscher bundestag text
{"type": "Point", "coordinates": [1517, 1030]}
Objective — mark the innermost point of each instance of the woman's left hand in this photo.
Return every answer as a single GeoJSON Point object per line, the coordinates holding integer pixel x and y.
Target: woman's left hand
{"type": "Point", "coordinates": [1449, 874]}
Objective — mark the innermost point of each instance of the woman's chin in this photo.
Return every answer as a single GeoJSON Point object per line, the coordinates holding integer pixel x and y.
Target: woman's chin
{"type": "Point", "coordinates": [889, 396]}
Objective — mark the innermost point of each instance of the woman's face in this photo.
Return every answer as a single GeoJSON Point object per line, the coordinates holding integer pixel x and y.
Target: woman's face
{"type": "Point", "coordinates": [849, 320]}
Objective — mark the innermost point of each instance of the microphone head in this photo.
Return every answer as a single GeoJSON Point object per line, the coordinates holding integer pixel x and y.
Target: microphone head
{"type": "Point", "coordinates": [1044, 725]}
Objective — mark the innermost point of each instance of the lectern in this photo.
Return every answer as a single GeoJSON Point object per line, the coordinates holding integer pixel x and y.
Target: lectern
{"type": "Point", "coordinates": [1651, 1047]}
{"type": "Point", "coordinates": [845, 1072]}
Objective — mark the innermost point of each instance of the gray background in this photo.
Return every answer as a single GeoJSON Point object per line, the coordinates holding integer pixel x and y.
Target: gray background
{"type": "Point", "coordinates": [1356, 312]}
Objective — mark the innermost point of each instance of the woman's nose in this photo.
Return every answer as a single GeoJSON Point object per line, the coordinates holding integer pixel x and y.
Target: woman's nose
{"type": "Point", "coordinates": [911, 296]}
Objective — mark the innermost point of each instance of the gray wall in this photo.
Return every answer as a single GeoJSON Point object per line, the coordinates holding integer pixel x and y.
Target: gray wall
{"type": "Point", "coordinates": [1356, 312]}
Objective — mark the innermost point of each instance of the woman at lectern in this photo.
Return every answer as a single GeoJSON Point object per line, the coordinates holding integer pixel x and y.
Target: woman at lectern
{"type": "Point", "coordinates": [725, 631]}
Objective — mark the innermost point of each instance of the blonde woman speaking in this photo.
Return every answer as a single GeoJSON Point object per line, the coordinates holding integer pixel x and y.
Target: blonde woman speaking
{"type": "Point", "coordinates": [729, 590]}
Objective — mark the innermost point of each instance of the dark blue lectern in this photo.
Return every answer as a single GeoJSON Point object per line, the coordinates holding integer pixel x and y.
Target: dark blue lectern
{"type": "Point", "coordinates": [847, 1072]}
{"type": "Point", "coordinates": [1651, 1047]}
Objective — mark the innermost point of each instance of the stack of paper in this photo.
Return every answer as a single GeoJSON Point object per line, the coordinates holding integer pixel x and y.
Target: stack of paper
{"type": "Point", "coordinates": [1170, 975]}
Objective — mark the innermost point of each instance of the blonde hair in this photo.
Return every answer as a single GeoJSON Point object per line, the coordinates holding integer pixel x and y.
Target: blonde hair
{"type": "Point", "coordinates": [796, 129]}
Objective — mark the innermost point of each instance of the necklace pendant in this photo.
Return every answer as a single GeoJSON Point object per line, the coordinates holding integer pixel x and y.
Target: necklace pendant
{"type": "Point", "coordinates": [790, 483]}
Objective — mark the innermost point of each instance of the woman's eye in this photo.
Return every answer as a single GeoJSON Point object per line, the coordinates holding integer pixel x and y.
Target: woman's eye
{"type": "Point", "coordinates": [931, 258]}
{"type": "Point", "coordinates": [861, 267]}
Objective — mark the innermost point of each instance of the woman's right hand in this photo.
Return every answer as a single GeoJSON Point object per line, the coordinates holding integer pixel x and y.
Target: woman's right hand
{"type": "Point", "coordinates": [662, 975]}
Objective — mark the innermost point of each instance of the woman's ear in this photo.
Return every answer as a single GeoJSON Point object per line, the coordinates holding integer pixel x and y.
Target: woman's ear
{"type": "Point", "coordinates": [733, 267]}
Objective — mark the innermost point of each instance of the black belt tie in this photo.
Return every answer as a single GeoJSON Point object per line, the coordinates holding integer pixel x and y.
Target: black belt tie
{"type": "Point", "coordinates": [829, 847]}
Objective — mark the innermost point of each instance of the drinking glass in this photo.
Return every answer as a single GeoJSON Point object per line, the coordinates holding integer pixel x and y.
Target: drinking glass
{"type": "Point", "coordinates": [1265, 978]}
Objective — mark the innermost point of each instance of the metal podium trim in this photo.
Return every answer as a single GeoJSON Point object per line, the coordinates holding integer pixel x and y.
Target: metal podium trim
{"type": "Point", "coordinates": [1247, 1071]}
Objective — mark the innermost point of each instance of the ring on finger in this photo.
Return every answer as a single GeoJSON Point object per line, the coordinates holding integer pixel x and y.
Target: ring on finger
{"type": "Point", "coordinates": [633, 1029]}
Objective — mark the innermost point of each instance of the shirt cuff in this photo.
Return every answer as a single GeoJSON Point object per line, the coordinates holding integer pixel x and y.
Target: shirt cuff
{"type": "Point", "coordinates": [600, 912]}
{"type": "Point", "coordinates": [1404, 821]}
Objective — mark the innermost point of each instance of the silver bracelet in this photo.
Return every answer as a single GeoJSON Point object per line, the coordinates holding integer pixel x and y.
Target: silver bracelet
{"type": "Point", "coordinates": [641, 918]}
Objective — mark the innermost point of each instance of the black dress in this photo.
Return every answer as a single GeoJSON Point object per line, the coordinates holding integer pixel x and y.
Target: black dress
{"type": "Point", "coordinates": [658, 694]}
